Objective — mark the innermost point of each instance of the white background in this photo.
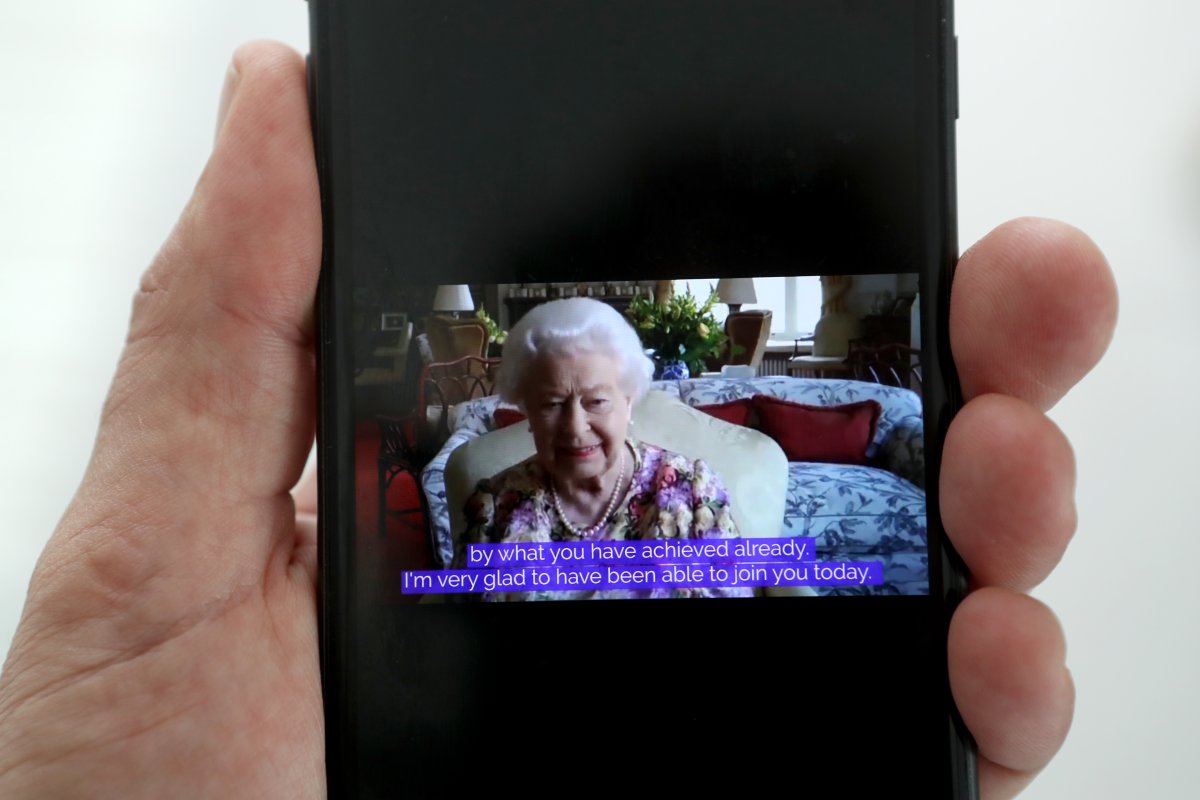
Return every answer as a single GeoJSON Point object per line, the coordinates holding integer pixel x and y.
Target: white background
{"type": "Point", "coordinates": [1084, 111]}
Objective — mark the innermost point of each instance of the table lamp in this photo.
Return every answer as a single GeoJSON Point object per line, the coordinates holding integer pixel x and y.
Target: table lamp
{"type": "Point", "coordinates": [453, 298]}
{"type": "Point", "coordinates": [735, 291]}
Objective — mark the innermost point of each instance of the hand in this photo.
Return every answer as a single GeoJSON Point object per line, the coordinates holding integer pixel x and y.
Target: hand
{"type": "Point", "coordinates": [1032, 309]}
{"type": "Point", "coordinates": [168, 645]}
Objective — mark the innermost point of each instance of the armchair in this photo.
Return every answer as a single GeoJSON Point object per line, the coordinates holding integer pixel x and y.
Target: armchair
{"type": "Point", "coordinates": [451, 339]}
{"type": "Point", "coordinates": [748, 330]}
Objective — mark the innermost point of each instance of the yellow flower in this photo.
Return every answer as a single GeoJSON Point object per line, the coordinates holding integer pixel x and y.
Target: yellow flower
{"type": "Point", "coordinates": [702, 329]}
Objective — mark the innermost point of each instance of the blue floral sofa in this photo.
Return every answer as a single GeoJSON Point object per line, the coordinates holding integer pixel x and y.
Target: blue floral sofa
{"type": "Point", "coordinates": [872, 512]}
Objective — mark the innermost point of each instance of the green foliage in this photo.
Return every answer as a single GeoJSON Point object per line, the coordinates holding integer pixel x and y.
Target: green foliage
{"type": "Point", "coordinates": [494, 333]}
{"type": "Point", "coordinates": [682, 328]}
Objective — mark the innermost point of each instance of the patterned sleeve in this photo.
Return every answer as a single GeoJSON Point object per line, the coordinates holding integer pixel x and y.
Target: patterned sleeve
{"type": "Point", "coordinates": [711, 517]}
{"type": "Point", "coordinates": [480, 511]}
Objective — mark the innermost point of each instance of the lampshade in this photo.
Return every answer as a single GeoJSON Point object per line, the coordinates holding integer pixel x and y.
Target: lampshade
{"type": "Point", "coordinates": [736, 290]}
{"type": "Point", "coordinates": [453, 297]}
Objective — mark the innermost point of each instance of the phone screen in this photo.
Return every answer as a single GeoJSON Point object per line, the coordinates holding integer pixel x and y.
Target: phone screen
{"type": "Point", "coordinates": [635, 378]}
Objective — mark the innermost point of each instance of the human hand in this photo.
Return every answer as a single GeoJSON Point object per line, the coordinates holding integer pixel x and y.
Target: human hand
{"type": "Point", "coordinates": [168, 646]}
{"type": "Point", "coordinates": [169, 640]}
{"type": "Point", "coordinates": [1032, 309]}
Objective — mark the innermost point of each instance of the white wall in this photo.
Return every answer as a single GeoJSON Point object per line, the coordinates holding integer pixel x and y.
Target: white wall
{"type": "Point", "coordinates": [108, 115]}
{"type": "Point", "coordinates": [1090, 112]}
{"type": "Point", "coordinates": [1086, 111]}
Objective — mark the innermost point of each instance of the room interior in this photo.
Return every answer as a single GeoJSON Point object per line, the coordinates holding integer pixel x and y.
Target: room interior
{"type": "Point", "coordinates": [867, 329]}
{"type": "Point", "coordinates": [431, 357]}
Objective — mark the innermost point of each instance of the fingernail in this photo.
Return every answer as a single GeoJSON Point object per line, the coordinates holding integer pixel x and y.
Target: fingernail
{"type": "Point", "coordinates": [232, 78]}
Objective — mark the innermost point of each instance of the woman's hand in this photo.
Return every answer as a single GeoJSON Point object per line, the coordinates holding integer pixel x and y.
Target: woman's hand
{"type": "Point", "coordinates": [168, 645]}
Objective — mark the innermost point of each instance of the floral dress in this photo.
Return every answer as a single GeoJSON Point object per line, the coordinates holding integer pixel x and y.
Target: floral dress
{"type": "Point", "coordinates": [670, 496]}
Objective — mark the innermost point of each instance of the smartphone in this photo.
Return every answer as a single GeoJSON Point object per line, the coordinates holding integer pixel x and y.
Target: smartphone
{"type": "Point", "coordinates": [634, 377]}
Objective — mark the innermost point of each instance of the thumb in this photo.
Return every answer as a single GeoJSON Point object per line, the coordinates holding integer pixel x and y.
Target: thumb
{"type": "Point", "coordinates": [211, 412]}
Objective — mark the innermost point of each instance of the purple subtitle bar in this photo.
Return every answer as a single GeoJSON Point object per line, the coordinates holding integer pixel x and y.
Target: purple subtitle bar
{"type": "Point", "coordinates": [642, 576]}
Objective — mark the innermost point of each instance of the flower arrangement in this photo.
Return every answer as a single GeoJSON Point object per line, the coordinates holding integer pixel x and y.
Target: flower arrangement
{"type": "Point", "coordinates": [681, 329]}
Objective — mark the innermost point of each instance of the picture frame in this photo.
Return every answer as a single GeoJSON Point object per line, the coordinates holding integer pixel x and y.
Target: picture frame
{"type": "Point", "coordinates": [393, 321]}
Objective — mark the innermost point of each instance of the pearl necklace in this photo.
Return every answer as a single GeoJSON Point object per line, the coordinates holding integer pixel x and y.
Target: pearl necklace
{"type": "Point", "coordinates": [583, 533]}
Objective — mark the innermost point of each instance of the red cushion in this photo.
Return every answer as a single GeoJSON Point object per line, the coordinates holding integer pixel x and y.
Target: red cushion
{"type": "Point", "coordinates": [735, 411]}
{"type": "Point", "coordinates": [832, 434]}
{"type": "Point", "coordinates": [507, 416]}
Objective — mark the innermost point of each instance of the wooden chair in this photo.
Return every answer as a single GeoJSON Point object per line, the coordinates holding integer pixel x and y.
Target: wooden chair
{"type": "Point", "coordinates": [399, 451]}
{"type": "Point", "coordinates": [748, 330]}
{"type": "Point", "coordinates": [451, 339]}
{"type": "Point", "coordinates": [446, 384]}
{"type": "Point", "coordinates": [892, 364]}
{"type": "Point", "coordinates": [407, 443]}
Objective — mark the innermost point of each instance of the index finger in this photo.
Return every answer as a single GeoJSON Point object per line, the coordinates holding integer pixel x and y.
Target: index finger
{"type": "Point", "coordinates": [1033, 306]}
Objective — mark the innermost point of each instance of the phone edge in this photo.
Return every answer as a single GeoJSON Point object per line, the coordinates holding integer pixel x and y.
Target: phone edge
{"type": "Point", "coordinates": [332, 463]}
{"type": "Point", "coordinates": [950, 578]}
{"type": "Point", "coordinates": [334, 426]}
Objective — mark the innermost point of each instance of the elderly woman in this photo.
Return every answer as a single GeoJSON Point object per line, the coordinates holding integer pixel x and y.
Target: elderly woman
{"type": "Point", "coordinates": [576, 368]}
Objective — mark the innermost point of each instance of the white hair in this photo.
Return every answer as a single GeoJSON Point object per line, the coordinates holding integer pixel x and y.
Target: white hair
{"type": "Point", "coordinates": [574, 325]}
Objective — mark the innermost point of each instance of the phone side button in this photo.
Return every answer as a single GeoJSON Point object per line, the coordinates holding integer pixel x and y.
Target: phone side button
{"type": "Point", "coordinates": [954, 72]}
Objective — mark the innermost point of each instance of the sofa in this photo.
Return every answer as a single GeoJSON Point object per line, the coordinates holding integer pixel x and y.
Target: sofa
{"type": "Point", "coordinates": [855, 512]}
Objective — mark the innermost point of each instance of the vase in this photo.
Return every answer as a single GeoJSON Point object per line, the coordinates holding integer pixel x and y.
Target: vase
{"type": "Point", "coordinates": [673, 370]}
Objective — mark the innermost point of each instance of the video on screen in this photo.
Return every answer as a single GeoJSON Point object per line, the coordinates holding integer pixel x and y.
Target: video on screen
{"type": "Point", "coordinates": [687, 438]}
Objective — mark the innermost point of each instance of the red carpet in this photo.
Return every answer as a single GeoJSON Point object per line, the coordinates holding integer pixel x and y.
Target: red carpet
{"type": "Point", "coordinates": [405, 543]}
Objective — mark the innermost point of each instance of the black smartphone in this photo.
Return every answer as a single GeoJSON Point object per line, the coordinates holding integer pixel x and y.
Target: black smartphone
{"type": "Point", "coordinates": [634, 376]}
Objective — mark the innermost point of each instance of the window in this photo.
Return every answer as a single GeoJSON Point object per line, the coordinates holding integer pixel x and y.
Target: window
{"type": "Point", "coordinates": [794, 302]}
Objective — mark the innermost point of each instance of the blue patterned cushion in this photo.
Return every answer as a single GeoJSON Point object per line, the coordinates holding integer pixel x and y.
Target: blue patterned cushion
{"type": "Point", "coordinates": [433, 482]}
{"type": "Point", "coordinates": [903, 452]}
{"type": "Point", "coordinates": [861, 514]}
{"type": "Point", "coordinates": [854, 510]}
{"type": "Point", "coordinates": [670, 387]}
{"type": "Point", "coordinates": [475, 415]}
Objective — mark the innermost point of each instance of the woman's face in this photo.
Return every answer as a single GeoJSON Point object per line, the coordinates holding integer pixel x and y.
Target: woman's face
{"type": "Point", "coordinates": [577, 414]}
